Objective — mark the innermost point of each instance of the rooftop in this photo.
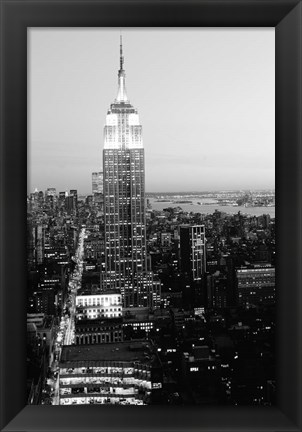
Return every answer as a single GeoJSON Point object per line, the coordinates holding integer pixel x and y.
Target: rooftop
{"type": "Point", "coordinates": [90, 292]}
{"type": "Point", "coordinates": [122, 351]}
{"type": "Point", "coordinates": [136, 314]}
{"type": "Point", "coordinates": [99, 322]}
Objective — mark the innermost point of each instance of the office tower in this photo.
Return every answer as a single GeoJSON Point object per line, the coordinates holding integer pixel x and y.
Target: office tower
{"type": "Point", "coordinates": [125, 373]}
{"type": "Point", "coordinates": [193, 264]}
{"type": "Point", "coordinates": [50, 198]}
{"type": "Point", "coordinates": [71, 201]}
{"type": "Point", "coordinates": [98, 331]}
{"type": "Point", "coordinates": [217, 290]}
{"type": "Point", "coordinates": [74, 193]}
{"type": "Point", "coordinates": [50, 192]}
{"type": "Point", "coordinates": [105, 305]}
{"type": "Point", "coordinates": [38, 238]}
{"type": "Point", "coordinates": [98, 318]}
{"type": "Point", "coordinates": [61, 198]}
{"type": "Point", "coordinates": [40, 199]}
{"type": "Point", "coordinates": [124, 202]}
{"type": "Point", "coordinates": [70, 204]}
{"type": "Point", "coordinates": [97, 189]}
{"type": "Point", "coordinates": [192, 251]}
{"type": "Point", "coordinates": [97, 182]}
{"type": "Point", "coordinates": [256, 285]}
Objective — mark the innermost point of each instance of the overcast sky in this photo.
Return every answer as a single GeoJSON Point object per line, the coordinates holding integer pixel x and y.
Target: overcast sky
{"type": "Point", "coordinates": [205, 96]}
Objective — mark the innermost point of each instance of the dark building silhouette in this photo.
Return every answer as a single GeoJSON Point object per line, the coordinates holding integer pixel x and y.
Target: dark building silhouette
{"type": "Point", "coordinates": [192, 253]}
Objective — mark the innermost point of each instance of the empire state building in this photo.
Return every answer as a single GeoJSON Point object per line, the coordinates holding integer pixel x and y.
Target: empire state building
{"type": "Point", "coordinates": [124, 204]}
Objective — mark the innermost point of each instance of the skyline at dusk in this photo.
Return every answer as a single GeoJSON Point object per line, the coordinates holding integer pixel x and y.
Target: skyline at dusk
{"type": "Point", "coordinates": [205, 97]}
{"type": "Point", "coordinates": [141, 298]}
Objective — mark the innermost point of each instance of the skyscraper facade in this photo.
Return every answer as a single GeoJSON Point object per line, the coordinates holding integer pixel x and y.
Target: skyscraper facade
{"type": "Point", "coordinates": [256, 285]}
{"type": "Point", "coordinates": [124, 202]}
{"type": "Point", "coordinates": [192, 250]}
{"type": "Point", "coordinates": [97, 182]}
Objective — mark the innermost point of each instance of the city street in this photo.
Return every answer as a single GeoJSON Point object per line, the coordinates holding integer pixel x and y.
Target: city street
{"type": "Point", "coordinates": [65, 334]}
{"type": "Point", "coordinates": [74, 284]}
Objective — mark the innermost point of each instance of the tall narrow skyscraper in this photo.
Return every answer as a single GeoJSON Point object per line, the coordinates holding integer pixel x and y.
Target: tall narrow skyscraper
{"type": "Point", "coordinates": [124, 202]}
{"type": "Point", "coordinates": [97, 182]}
{"type": "Point", "coordinates": [193, 251]}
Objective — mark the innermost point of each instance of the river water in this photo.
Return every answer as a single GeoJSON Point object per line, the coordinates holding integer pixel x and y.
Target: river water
{"type": "Point", "coordinates": [208, 206]}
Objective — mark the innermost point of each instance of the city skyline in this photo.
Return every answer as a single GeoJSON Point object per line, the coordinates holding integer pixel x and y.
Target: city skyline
{"type": "Point", "coordinates": [128, 304]}
{"type": "Point", "coordinates": [238, 106]}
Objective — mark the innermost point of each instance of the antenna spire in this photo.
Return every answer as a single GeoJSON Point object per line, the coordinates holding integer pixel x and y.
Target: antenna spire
{"type": "Point", "coordinates": [122, 94]}
{"type": "Point", "coordinates": [121, 53]}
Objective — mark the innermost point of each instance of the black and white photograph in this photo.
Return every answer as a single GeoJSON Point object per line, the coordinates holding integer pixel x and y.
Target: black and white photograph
{"type": "Point", "coordinates": [151, 251]}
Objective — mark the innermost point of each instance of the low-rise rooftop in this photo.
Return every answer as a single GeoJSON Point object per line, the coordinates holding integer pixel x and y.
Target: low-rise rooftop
{"type": "Point", "coordinates": [121, 351]}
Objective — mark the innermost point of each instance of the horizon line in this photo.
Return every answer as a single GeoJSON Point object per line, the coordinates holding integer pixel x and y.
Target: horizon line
{"type": "Point", "coordinates": [175, 192]}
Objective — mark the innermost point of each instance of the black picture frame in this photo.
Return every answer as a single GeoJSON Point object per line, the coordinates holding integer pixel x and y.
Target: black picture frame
{"type": "Point", "coordinates": [16, 16]}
